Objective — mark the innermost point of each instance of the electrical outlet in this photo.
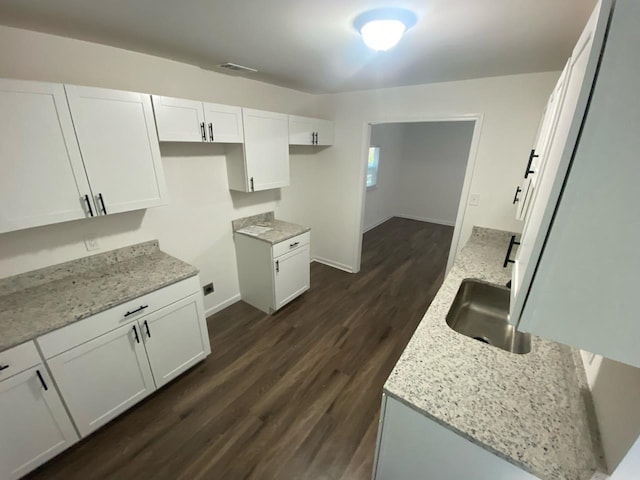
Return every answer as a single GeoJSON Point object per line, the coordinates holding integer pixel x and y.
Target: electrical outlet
{"type": "Point", "coordinates": [208, 288]}
{"type": "Point", "coordinates": [474, 199]}
{"type": "Point", "coordinates": [92, 243]}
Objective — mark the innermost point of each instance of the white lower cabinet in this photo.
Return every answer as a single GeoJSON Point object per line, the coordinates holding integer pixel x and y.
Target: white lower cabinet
{"type": "Point", "coordinates": [102, 378]}
{"type": "Point", "coordinates": [272, 275]}
{"type": "Point", "coordinates": [291, 275]}
{"type": "Point", "coordinates": [34, 425]}
{"type": "Point", "coordinates": [412, 446]}
{"type": "Point", "coordinates": [175, 338]}
{"type": "Point", "coordinates": [106, 363]}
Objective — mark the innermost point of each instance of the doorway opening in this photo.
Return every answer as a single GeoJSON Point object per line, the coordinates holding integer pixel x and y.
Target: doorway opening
{"type": "Point", "coordinates": [419, 169]}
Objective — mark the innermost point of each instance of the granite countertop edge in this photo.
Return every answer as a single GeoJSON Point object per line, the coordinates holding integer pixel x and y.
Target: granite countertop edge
{"type": "Point", "coordinates": [431, 351]}
{"type": "Point", "coordinates": [280, 230]}
{"type": "Point", "coordinates": [41, 301]}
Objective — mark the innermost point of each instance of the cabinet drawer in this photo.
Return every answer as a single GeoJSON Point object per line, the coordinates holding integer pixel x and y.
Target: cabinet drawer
{"type": "Point", "coordinates": [291, 244]}
{"type": "Point", "coordinates": [77, 333]}
{"type": "Point", "coordinates": [18, 359]}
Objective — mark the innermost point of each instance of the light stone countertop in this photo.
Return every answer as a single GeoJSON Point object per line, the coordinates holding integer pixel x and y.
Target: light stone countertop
{"type": "Point", "coordinates": [527, 409]}
{"type": "Point", "coordinates": [280, 231]}
{"type": "Point", "coordinates": [38, 302]}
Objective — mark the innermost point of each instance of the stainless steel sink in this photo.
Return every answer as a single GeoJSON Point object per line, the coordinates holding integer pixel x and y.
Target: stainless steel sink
{"type": "Point", "coordinates": [480, 311]}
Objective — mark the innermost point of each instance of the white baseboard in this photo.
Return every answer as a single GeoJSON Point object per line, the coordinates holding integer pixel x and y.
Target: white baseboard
{"type": "Point", "coordinates": [374, 225]}
{"type": "Point", "coordinates": [429, 220]}
{"type": "Point", "coordinates": [331, 263]}
{"type": "Point", "coordinates": [222, 305]}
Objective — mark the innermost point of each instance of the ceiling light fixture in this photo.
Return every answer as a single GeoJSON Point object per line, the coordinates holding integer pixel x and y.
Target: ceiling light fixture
{"type": "Point", "coordinates": [382, 28]}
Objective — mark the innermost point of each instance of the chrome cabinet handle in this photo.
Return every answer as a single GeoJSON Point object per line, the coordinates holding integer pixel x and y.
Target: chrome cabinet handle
{"type": "Point", "coordinates": [3, 367]}
{"type": "Point", "coordinates": [135, 334]}
{"type": "Point", "coordinates": [211, 131]}
{"type": "Point", "coordinates": [204, 134]}
{"type": "Point", "coordinates": [146, 326]}
{"type": "Point", "coordinates": [277, 266]}
{"type": "Point", "coordinates": [295, 244]}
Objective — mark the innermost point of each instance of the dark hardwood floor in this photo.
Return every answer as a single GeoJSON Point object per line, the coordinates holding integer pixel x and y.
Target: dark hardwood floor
{"type": "Point", "coordinates": [295, 395]}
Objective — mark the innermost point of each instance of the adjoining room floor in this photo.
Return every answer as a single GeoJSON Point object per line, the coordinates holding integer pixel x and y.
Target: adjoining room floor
{"type": "Point", "coordinates": [295, 395]}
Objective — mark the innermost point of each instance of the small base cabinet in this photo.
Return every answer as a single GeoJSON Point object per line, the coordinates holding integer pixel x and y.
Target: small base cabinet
{"type": "Point", "coordinates": [34, 426]}
{"type": "Point", "coordinates": [272, 275]}
{"type": "Point", "coordinates": [109, 362]}
{"type": "Point", "coordinates": [412, 446]}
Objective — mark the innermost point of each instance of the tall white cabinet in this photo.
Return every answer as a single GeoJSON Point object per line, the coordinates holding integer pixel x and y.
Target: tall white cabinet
{"type": "Point", "coordinates": [576, 271]}
{"type": "Point", "coordinates": [43, 179]}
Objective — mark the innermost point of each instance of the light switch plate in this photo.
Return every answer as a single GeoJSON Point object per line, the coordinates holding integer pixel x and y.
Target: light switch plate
{"type": "Point", "coordinates": [474, 199]}
{"type": "Point", "coordinates": [92, 243]}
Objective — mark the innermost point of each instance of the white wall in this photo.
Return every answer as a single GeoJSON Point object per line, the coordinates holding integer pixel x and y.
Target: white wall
{"type": "Point", "coordinates": [195, 226]}
{"type": "Point", "coordinates": [432, 171]}
{"type": "Point", "coordinates": [512, 107]}
{"type": "Point", "coordinates": [422, 168]}
{"type": "Point", "coordinates": [381, 200]}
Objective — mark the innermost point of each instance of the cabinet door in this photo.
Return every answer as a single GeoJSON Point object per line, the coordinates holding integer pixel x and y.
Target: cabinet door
{"type": "Point", "coordinates": [179, 120]}
{"type": "Point", "coordinates": [291, 275]}
{"type": "Point", "coordinates": [310, 131]}
{"type": "Point", "coordinates": [43, 179]}
{"type": "Point", "coordinates": [266, 149]}
{"type": "Point", "coordinates": [535, 169]}
{"type": "Point", "coordinates": [175, 338]}
{"type": "Point", "coordinates": [580, 78]}
{"type": "Point", "coordinates": [102, 378]}
{"type": "Point", "coordinates": [224, 123]}
{"type": "Point", "coordinates": [301, 130]}
{"type": "Point", "coordinates": [34, 425]}
{"type": "Point", "coordinates": [119, 146]}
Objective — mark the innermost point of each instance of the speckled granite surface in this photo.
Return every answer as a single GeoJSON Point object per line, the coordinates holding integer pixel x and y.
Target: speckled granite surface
{"type": "Point", "coordinates": [280, 232]}
{"type": "Point", "coordinates": [527, 409]}
{"type": "Point", "coordinates": [38, 302]}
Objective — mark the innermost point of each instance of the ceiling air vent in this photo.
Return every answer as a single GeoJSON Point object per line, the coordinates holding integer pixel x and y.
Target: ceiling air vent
{"type": "Point", "coordinates": [237, 68]}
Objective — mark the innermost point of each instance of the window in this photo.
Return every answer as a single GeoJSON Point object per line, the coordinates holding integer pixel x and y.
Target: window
{"type": "Point", "coordinates": [372, 166]}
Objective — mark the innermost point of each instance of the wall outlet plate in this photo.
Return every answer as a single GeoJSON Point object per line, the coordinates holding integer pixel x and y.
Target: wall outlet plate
{"type": "Point", "coordinates": [92, 243]}
{"type": "Point", "coordinates": [208, 288]}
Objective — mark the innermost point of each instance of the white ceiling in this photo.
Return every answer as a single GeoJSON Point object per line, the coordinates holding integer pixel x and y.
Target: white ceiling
{"type": "Point", "coordinates": [312, 45]}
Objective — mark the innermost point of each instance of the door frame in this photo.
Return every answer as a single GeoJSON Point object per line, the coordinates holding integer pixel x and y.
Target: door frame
{"type": "Point", "coordinates": [477, 118]}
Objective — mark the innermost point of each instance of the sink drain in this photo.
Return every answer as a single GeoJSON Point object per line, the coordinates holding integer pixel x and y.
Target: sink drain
{"type": "Point", "coordinates": [483, 340]}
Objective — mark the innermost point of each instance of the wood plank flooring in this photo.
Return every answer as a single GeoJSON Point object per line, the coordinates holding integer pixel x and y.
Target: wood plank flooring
{"type": "Point", "coordinates": [295, 395]}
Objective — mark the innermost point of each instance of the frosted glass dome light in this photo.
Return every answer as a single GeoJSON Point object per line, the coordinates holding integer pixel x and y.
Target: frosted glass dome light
{"type": "Point", "coordinates": [382, 28]}
{"type": "Point", "coordinates": [381, 35]}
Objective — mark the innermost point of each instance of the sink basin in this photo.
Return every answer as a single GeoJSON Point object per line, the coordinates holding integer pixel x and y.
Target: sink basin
{"type": "Point", "coordinates": [480, 311]}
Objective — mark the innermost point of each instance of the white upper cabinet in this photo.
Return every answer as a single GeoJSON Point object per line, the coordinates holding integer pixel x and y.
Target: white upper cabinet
{"type": "Point", "coordinates": [43, 179]}
{"type": "Point", "coordinates": [310, 131]}
{"type": "Point", "coordinates": [581, 259]}
{"type": "Point", "coordinates": [180, 120]}
{"type": "Point", "coordinates": [119, 146]}
{"type": "Point", "coordinates": [262, 162]}
{"type": "Point", "coordinates": [224, 123]}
